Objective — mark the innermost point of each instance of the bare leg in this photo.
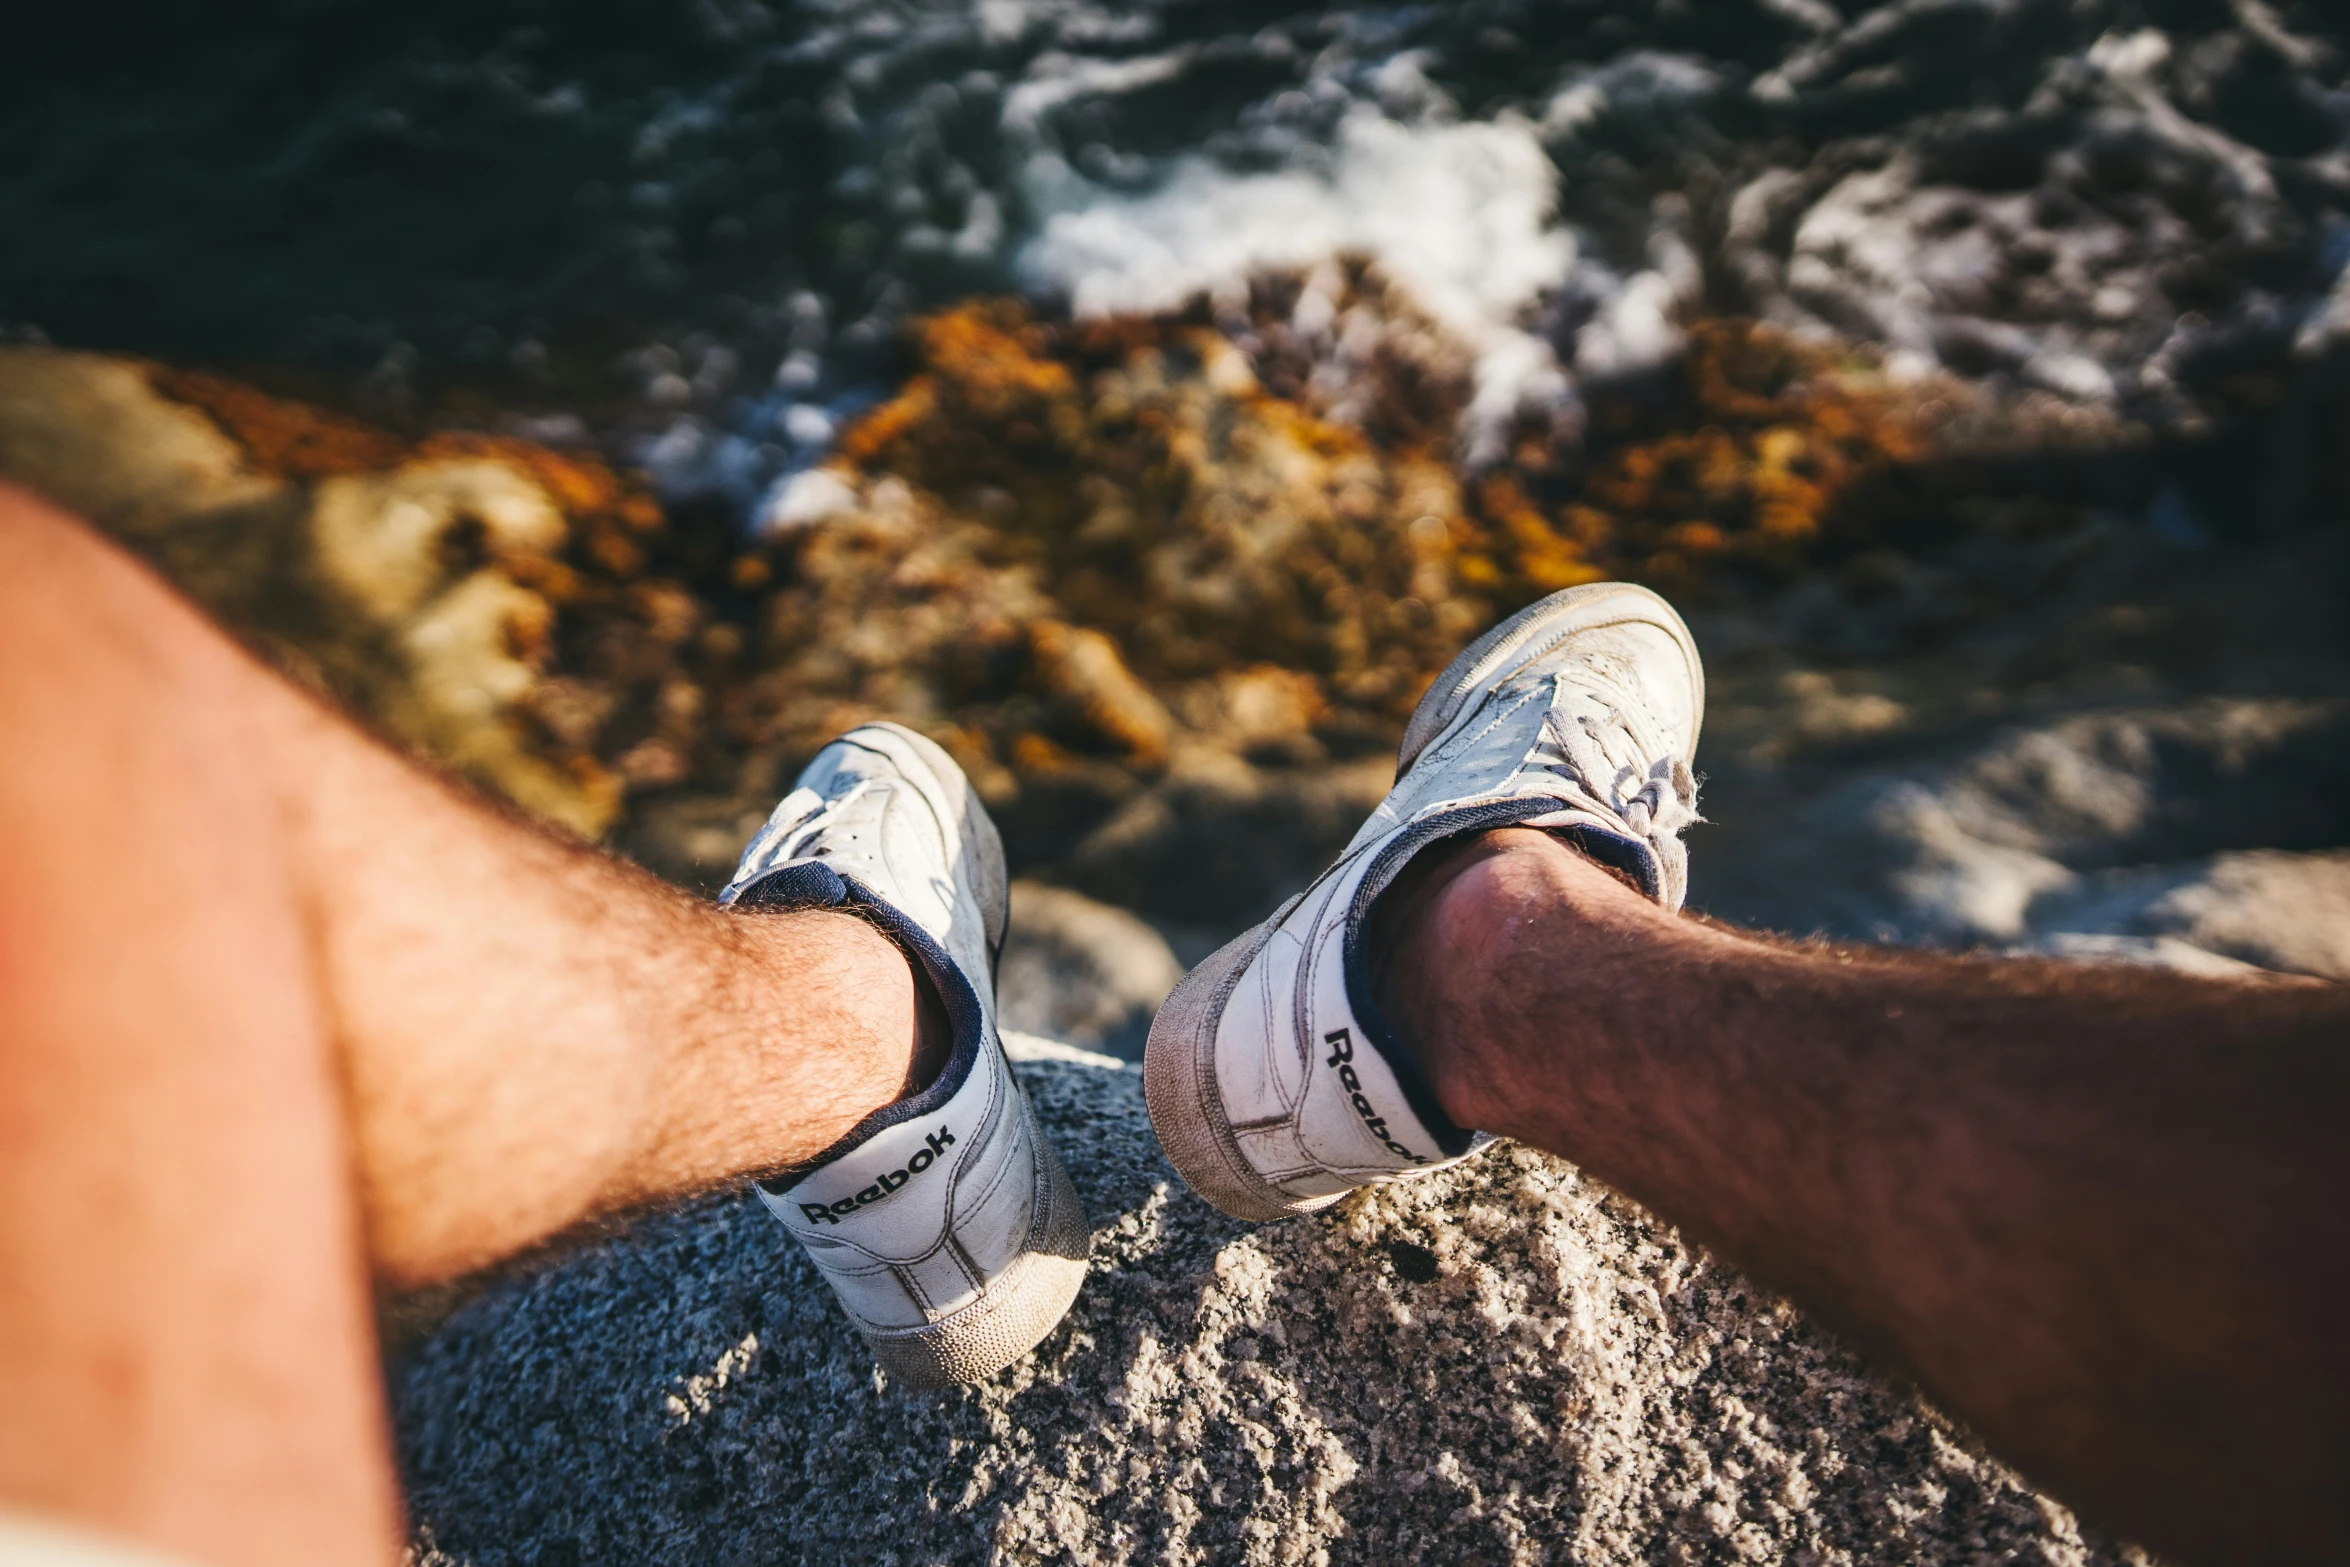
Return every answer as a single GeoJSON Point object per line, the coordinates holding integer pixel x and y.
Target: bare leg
{"type": "Point", "coordinates": [279, 1011]}
{"type": "Point", "coordinates": [2096, 1213]}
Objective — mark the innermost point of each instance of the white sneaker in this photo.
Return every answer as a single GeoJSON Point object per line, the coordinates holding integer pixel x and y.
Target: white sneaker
{"type": "Point", "coordinates": [944, 1221]}
{"type": "Point", "coordinates": [1274, 1085]}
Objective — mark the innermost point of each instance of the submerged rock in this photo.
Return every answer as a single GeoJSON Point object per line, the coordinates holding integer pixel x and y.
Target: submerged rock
{"type": "Point", "coordinates": [1504, 1363]}
{"type": "Point", "coordinates": [1151, 587]}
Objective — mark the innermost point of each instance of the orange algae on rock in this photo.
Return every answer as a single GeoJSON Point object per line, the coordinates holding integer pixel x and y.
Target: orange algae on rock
{"type": "Point", "coordinates": [1137, 477]}
{"type": "Point", "coordinates": [1134, 478]}
{"type": "Point", "coordinates": [286, 439]}
{"type": "Point", "coordinates": [437, 586]}
{"type": "Point", "coordinates": [1772, 438]}
{"type": "Point", "coordinates": [1125, 568]}
{"type": "Point", "coordinates": [1126, 565]}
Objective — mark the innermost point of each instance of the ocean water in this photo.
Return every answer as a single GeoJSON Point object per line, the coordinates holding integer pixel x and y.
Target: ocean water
{"type": "Point", "coordinates": [690, 231]}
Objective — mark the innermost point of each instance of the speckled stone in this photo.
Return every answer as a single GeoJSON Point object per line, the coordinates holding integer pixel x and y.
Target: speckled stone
{"type": "Point", "coordinates": [1502, 1363]}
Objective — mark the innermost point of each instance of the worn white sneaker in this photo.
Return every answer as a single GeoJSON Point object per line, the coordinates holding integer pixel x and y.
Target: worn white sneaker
{"type": "Point", "coordinates": [1274, 1084]}
{"type": "Point", "coordinates": [944, 1221]}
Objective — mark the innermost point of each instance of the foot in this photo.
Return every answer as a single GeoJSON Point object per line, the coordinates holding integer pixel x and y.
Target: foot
{"type": "Point", "coordinates": [944, 1222]}
{"type": "Point", "coordinates": [1274, 1083]}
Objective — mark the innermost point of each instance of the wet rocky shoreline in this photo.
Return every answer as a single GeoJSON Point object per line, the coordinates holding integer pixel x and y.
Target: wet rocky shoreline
{"type": "Point", "coordinates": [611, 408]}
{"type": "Point", "coordinates": [1173, 645]}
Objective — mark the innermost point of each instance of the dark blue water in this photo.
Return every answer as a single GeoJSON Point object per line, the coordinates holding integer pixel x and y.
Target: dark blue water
{"type": "Point", "coordinates": [691, 229]}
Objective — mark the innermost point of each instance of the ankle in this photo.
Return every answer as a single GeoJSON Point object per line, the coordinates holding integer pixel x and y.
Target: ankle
{"type": "Point", "coordinates": [934, 1032]}
{"type": "Point", "coordinates": [811, 1020]}
{"type": "Point", "coordinates": [891, 1028]}
{"type": "Point", "coordinates": [1465, 947]}
{"type": "Point", "coordinates": [1425, 925]}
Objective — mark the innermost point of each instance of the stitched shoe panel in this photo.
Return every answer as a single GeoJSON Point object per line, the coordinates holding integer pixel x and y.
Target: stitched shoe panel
{"type": "Point", "coordinates": [943, 1222]}
{"type": "Point", "coordinates": [1274, 1084]}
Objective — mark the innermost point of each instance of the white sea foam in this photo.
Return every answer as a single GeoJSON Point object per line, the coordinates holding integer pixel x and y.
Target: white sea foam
{"type": "Point", "coordinates": [1461, 217]}
{"type": "Point", "coordinates": [803, 499]}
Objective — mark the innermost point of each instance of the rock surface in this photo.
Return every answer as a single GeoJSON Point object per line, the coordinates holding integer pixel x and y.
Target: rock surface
{"type": "Point", "coordinates": [1503, 1364]}
{"type": "Point", "coordinates": [2148, 762]}
{"type": "Point", "coordinates": [1086, 973]}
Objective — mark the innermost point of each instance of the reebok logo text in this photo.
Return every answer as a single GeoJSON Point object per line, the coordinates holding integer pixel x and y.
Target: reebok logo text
{"type": "Point", "coordinates": [938, 1143]}
{"type": "Point", "coordinates": [1342, 1054]}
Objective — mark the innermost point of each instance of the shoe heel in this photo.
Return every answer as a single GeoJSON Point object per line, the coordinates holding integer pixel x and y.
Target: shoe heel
{"type": "Point", "coordinates": [1022, 1306]}
{"type": "Point", "coordinates": [1179, 1087]}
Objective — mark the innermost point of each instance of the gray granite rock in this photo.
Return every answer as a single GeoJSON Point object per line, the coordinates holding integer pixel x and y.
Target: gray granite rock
{"type": "Point", "coordinates": [1504, 1363]}
{"type": "Point", "coordinates": [2151, 762]}
{"type": "Point", "coordinates": [1081, 971]}
{"type": "Point", "coordinates": [2020, 838]}
{"type": "Point", "coordinates": [2257, 909]}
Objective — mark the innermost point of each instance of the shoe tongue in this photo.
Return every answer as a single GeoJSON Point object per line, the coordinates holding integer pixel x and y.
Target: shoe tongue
{"type": "Point", "coordinates": [803, 884]}
{"type": "Point", "coordinates": [1595, 748]}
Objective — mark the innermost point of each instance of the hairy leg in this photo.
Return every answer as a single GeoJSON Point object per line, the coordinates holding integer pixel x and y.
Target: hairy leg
{"type": "Point", "coordinates": [184, 1323]}
{"type": "Point", "coordinates": [2097, 1213]}
{"type": "Point", "coordinates": [533, 1033]}
{"type": "Point", "coordinates": [279, 1011]}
